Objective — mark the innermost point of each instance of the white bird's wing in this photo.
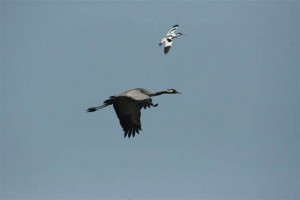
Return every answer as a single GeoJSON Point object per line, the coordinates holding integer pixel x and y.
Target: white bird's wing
{"type": "Point", "coordinates": [172, 30]}
{"type": "Point", "coordinates": [168, 44]}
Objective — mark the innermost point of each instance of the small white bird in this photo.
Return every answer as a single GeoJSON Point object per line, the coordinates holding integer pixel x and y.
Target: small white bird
{"type": "Point", "coordinates": [128, 107]}
{"type": "Point", "coordinates": [168, 40]}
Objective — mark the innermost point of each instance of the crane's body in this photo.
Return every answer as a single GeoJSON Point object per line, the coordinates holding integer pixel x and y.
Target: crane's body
{"type": "Point", "coordinates": [127, 106]}
{"type": "Point", "coordinates": [168, 39]}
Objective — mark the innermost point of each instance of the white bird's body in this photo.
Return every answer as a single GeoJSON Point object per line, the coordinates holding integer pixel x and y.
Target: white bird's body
{"type": "Point", "coordinates": [128, 105]}
{"type": "Point", "coordinates": [168, 39]}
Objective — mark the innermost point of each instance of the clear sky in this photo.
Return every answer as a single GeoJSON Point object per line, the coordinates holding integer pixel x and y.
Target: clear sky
{"type": "Point", "coordinates": [232, 134]}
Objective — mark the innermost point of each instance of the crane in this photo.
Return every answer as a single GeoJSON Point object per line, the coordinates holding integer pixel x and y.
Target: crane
{"type": "Point", "coordinates": [127, 106]}
{"type": "Point", "coordinates": [168, 39]}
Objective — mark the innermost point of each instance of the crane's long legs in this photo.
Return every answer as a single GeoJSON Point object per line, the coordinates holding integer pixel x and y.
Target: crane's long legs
{"type": "Point", "coordinates": [93, 109]}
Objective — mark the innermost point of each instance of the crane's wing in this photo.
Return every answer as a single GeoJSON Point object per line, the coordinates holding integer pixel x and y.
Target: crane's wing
{"type": "Point", "coordinates": [168, 44]}
{"type": "Point", "coordinates": [129, 114]}
{"type": "Point", "coordinates": [172, 30]}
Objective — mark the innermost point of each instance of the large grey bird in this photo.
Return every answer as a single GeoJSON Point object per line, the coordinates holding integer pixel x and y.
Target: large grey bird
{"type": "Point", "coordinates": [168, 39]}
{"type": "Point", "coordinates": [128, 105]}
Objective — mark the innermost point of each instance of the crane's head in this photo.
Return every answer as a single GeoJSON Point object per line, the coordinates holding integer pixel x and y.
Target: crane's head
{"type": "Point", "coordinates": [172, 91]}
{"type": "Point", "coordinates": [179, 34]}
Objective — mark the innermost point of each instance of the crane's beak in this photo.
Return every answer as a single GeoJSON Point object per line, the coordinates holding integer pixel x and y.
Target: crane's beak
{"type": "Point", "coordinates": [178, 92]}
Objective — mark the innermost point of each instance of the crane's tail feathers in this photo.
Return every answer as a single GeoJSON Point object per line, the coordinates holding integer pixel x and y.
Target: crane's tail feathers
{"type": "Point", "coordinates": [93, 109]}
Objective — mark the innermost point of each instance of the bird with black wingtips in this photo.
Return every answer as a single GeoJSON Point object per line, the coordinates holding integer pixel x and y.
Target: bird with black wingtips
{"type": "Point", "coordinates": [127, 106]}
{"type": "Point", "coordinates": [168, 39]}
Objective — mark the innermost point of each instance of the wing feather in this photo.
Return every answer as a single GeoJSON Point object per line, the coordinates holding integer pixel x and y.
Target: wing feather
{"type": "Point", "coordinates": [172, 30]}
{"type": "Point", "coordinates": [168, 44]}
{"type": "Point", "coordinates": [129, 114]}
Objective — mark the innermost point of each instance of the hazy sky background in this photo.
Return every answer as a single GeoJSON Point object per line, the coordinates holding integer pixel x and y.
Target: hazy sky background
{"type": "Point", "coordinates": [232, 134]}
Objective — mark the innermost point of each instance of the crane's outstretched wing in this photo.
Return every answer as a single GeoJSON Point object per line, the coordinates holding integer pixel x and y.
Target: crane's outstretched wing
{"type": "Point", "coordinates": [129, 114]}
{"type": "Point", "coordinates": [172, 30]}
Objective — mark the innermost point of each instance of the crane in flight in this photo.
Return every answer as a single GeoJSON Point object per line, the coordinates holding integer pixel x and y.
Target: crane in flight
{"type": "Point", "coordinates": [127, 106]}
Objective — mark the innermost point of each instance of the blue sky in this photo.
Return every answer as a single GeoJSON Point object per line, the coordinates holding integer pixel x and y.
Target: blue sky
{"type": "Point", "coordinates": [232, 134]}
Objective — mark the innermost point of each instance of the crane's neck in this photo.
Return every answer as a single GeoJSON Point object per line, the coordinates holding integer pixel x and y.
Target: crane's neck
{"type": "Point", "coordinates": [160, 93]}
